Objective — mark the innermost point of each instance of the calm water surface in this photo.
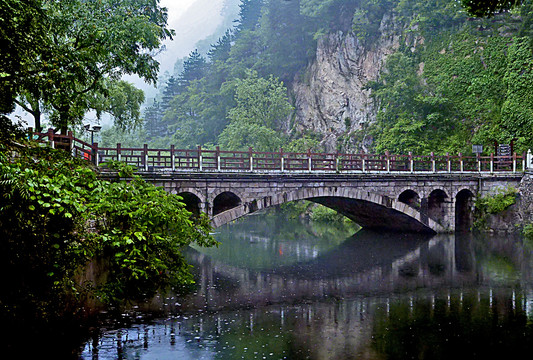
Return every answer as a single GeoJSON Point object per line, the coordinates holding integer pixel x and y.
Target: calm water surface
{"type": "Point", "coordinates": [280, 289]}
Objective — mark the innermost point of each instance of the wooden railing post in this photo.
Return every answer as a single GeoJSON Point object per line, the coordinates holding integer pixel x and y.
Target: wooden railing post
{"type": "Point", "coordinates": [251, 155]}
{"type": "Point", "coordinates": [433, 167]}
{"type": "Point", "coordinates": [145, 153]}
{"type": "Point", "coordinates": [70, 137]}
{"type": "Point", "coordinates": [461, 168]}
{"type": "Point", "coordinates": [449, 164]}
{"type": "Point", "coordinates": [119, 156]}
{"type": "Point", "coordinates": [387, 155]}
{"type": "Point", "coordinates": [309, 160]}
{"type": "Point", "coordinates": [337, 162]}
{"type": "Point", "coordinates": [218, 158]}
{"type": "Point", "coordinates": [51, 138]}
{"type": "Point", "coordinates": [363, 162]}
{"type": "Point", "coordinates": [200, 159]}
{"type": "Point", "coordinates": [172, 158]}
{"type": "Point", "coordinates": [411, 161]}
{"type": "Point", "coordinates": [491, 163]}
{"type": "Point", "coordinates": [514, 162]}
{"type": "Point", "coordinates": [96, 156]}
{"type": "Point", "coordinates": [282, 159]}
{"type": "Point", "coordinates": [478, 162]}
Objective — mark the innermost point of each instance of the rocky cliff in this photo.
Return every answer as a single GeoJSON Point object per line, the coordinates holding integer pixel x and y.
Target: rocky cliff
{"type": "Point", "coordinates": [331, 99]}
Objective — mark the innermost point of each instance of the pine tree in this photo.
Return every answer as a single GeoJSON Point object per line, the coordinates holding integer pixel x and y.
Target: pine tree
{"type": "Point", "coordinates": [194, 68]}
{"type": "Point", "coordinates": [221, 50]}
{"type": "Point", "coordinates": [153, 125]}
{"type": "Point", "coordinates": [249, 14]}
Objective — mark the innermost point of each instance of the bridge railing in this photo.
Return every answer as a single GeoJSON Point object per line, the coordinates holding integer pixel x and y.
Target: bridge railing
{"type": "Point", "coordinates": [172, 159]}
{"type": "Point", "coordinates": [68, 142]}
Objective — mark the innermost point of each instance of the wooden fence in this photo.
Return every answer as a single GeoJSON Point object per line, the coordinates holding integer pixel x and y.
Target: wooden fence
{"type": "Point", "coordinates": [172, 159]}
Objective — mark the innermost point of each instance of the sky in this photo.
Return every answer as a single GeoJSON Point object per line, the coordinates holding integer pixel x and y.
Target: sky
{"type": "Point", "coordinates": [176, 7]}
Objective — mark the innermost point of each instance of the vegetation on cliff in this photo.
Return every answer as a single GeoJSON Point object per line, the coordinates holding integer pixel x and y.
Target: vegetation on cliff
{"type": "Point", "coordinates": [466, 85]}
{"type": "Point", "coordinates": [455, 80]}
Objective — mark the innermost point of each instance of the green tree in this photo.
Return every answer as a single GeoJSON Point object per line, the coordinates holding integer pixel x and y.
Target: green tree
{"type": "Point", "coordinates": [153, 116]}
{"type": "Point", "coordinates": [261, 107]}
{"type": "Point", "coordinates": [484, 8]}
{"type": "Point", "coordinates": [249, 14]}
{"type": "Point", "coordinates": [56, 216]}
{"type": "Point", "coordinates": [87, 43]}
{"type": "Point", "coordinates": [122, 100]}
{"type": "Point", "coordinates": [198, 115]}
{"type": "Point", "coordinates": [194, 68]}
{"type": "Point", "coordinates": [21, 40]}
{"type": "Point", "coordinates": [285, 39]}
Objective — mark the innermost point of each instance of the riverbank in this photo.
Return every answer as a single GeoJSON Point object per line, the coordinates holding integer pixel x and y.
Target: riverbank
{"type": "Point", "coordinates": [52, 208]}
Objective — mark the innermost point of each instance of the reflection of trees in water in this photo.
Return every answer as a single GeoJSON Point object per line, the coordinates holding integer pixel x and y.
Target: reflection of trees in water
{"type": "Point", "coordinates": [387, 297]}
{"type": "Point", "coordinates": [269, 240]}
{"type": "Point", "coordinates": [492, 324]}
{"type": "Point", "coordinates": [472, 324]}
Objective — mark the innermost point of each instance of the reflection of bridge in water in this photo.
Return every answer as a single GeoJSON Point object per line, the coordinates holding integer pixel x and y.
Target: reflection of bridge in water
{"type": "Point", "coordinates": [361, 265]}
{"type": "Point", "coordinates": [340, 298]}
{"type": "Point", "coordinates": [334, 306]}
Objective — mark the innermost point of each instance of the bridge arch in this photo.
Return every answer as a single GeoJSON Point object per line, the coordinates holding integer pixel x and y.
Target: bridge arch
{"type": "Point", "coordinates": [437, 208]}
{"type": "Point", "coordinates": [193, 202]}
{"type": "Point", "coordinates": [464, 201]}
{"type": "Point", "coordinates": [366, 208]}
{"type": "Point", "coordinates": [224, 201]}
{"type": "Point", "coordinates": [192, 190]}
{"type": "Point", "coordinates": [409, 197]}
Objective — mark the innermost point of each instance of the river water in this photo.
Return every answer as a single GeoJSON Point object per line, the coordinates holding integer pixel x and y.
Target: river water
{"type": "Point", "coordinates": [279, 288]}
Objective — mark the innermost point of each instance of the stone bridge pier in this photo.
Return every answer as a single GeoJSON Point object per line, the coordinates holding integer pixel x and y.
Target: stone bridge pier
{"type": "Point", "coordinates": [435, 203]}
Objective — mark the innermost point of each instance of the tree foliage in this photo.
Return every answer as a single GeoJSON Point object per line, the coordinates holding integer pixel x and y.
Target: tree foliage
{"type": "Point", "coordinates": [56, 216]}
{"type": "Point", "coordinates": [82, 46]}
{"type": "Point", "coordinates": [22, 36]}
{"type": "Point", "coordinates": [484, 8]}
{"type": "Point", "coordinates": [261, 107]}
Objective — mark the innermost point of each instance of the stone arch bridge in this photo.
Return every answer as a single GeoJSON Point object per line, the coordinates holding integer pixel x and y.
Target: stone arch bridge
{"type": "Point", "coordinates": [419, 193]}
{"type": "Point", "coordinates": [433, 203]}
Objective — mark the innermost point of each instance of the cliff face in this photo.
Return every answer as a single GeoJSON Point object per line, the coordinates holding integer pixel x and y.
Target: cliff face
{"type": "Point", "coordinates": [516, 216]}
{"type": "Point", "coordinates": [331, 99]}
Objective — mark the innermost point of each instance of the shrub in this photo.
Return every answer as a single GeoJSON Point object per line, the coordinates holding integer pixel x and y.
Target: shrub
{"type": "Point", "coordinates": [498, 202]}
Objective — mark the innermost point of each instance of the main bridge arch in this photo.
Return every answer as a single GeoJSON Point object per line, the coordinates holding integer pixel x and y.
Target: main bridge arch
{"type": "Point", "coordinates": [370, 210]}
{"type": "Point", "coordinates": [435, 203]}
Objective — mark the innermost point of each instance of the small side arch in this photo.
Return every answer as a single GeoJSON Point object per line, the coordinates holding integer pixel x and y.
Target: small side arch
{"type": "Point", "coordinates": [192, 202]}
{"type": "Point", "coordinates": [464, 219]}
{"type": "Point", "coordinates": [410, 197]}
{"type": "Point", "coordinates": [225, 201]}
{"type": "Point", "coordinates": [437, 205]}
